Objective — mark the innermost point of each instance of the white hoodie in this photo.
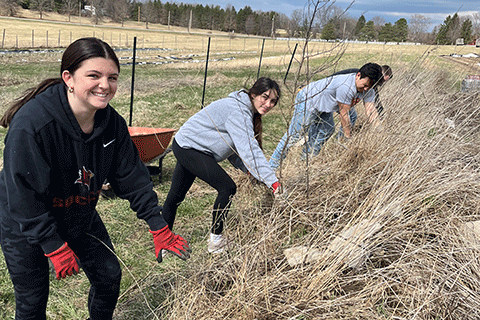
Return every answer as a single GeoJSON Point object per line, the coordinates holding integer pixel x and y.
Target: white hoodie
{"type": "Point", "coordinates": [223, 129]}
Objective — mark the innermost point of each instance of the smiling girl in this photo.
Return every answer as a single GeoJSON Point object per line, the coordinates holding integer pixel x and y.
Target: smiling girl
{"type": "Point", "coordinates": [228, 128]}
{"type": "Point", "coordinates": [64, 140]}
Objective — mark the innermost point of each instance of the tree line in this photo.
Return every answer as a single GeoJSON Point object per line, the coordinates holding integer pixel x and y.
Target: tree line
{"type": "Point", "coordinates": [324, 21]}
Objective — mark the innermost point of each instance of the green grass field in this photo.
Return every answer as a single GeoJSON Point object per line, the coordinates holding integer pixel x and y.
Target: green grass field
{"type": "Point", "coordinates": [416, 177]}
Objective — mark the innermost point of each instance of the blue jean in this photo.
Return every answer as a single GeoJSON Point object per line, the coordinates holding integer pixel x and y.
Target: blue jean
{"type": "Point", "coordinates": [318, 125]}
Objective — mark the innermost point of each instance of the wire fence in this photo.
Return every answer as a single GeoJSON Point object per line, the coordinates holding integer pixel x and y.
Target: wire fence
{"type": "Point", "coordinates": [118, 38]}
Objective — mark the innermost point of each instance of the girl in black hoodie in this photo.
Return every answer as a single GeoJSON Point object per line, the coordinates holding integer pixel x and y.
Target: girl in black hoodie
{"type": "Point", "coordinates": [64, 140]}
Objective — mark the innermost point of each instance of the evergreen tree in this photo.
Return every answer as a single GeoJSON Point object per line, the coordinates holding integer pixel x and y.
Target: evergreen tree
{"type": "Point", "coordinates": [386, 33]}
{"type": "Point", "coordinates": [442, 33]}
{"type": "Point", "coordinates": [359, 26]}
{"type": "Point", "coordinates": [400, 29]}
{"type": "Point", "coordinates": [328, 32]}
{"type": "Point", "coordinates": [368, 32]}
{"type": "Point", "coordinates": [466, 32]}
{"type": "Point", "coordinates": [242, 16]}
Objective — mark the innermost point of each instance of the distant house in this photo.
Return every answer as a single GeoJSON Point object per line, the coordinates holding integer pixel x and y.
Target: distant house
{"type": "Point", "coordinates": [90, 9]}
{"type": "Point", "coordinates": [477, 43]}
{"type": "Point", "coordinates": [459, 42]}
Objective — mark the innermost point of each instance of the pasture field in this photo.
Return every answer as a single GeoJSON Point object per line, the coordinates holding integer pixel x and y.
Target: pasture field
{"type": "Point", "coordinates": [417, 178]}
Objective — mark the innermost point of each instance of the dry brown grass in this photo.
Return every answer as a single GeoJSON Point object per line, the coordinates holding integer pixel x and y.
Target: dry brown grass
{"type": "Point", "coordinates": [418, 178]}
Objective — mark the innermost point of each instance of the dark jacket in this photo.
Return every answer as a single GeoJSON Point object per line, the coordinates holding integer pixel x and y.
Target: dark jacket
{"type": "Point", "coordinates": [53, 173]}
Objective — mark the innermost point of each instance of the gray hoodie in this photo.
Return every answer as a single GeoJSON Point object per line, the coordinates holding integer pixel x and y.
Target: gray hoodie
{"type": "Point", "coordinates": [224, 129]}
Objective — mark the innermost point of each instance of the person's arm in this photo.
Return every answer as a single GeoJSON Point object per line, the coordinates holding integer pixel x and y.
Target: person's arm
{"type": "Point", "coordinates": [240, 129]}
{"type": "Point", "coordinates": [371, 112]}
{"type": "Point", "coordinates": [27, 180]}
{"type": "Point", "coordinates": [131, 181]}
{"type": "Point", "coordinates": [345, 118]}
{"type": "Point", "coordinates": [370, 109]}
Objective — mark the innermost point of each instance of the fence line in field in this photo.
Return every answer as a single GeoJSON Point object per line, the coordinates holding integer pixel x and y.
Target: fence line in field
{"type": "Point", "coordinates": [35, 39]}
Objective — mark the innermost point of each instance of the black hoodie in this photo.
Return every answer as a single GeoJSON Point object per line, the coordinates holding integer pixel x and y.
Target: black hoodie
{"type": "Point", "coordinates": [53, 173]}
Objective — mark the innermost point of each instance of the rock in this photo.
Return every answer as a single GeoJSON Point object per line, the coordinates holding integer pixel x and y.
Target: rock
{"type": "Point", "coordinates": [350, 246]}
{"type": "Point", "coordinates": [301, 254]}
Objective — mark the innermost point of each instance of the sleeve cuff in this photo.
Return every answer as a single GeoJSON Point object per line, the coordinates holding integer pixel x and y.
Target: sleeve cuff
{"type": "Point", "coordinates": [52, 244]}
{"type": "Point", "coordinates": [156, 223]}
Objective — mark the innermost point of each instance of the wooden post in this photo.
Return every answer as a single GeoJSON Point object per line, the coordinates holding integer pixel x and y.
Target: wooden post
{"type": "Point", "coordinates": [190, 22]}
{"type": "Point", "coordinates": [58, 38]}
{"type": "Point", "coordinates": [33, 41]}
{"type": "Point", "coordinates": [46, 39]}
{"type": "Point", "coordinates": [3, 39]}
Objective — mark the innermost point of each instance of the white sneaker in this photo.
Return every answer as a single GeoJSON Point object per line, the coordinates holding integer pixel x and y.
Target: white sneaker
{"type": "Point", "coordinates": [216, 243]}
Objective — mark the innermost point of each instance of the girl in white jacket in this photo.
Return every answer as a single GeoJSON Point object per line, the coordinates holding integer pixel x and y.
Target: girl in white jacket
{"type": "Point", "coordinates": [229, 128]}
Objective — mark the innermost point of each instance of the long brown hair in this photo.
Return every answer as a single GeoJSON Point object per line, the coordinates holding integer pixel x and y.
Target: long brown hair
{"type": "Point", "coordinates": [260, 86]}
{"type": "Point", "coordinates": [77, 52]}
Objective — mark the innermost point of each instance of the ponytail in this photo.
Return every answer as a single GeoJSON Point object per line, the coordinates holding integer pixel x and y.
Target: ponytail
{"type": "Point", "coordinates": [24, 98]}
{"type": "Point", "coordinates": [258, 128]}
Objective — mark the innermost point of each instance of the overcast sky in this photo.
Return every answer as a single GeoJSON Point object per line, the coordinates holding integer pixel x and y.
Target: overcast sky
{"type": "Point", "coordinates": [389, 10]}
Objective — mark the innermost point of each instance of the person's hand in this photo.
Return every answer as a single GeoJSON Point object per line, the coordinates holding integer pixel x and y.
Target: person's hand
{"type": "Point", "coordinates": [276, 187]}
{"type": "Point", "coordinates": [173, 243]}
{"type": "Point", "coordinates": [64, 261]}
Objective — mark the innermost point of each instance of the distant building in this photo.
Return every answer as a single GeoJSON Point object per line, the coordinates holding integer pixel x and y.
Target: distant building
{"type": "Point", "coordinates": [90, 9]}
{"type": "Point", "coordinates": [459, 42]}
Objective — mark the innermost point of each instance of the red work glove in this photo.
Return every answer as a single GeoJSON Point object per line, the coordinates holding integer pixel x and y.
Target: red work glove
{"type": "Point", "coordinates": [276, 186]}
{"type": "Point", "coordinates": [173, 243]}
{"type": "Point", "coordinates": [64, 261]}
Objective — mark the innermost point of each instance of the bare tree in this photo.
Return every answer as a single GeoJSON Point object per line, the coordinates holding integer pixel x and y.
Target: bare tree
{"type": "Point", "coordinates": [296, 21]}
{"type": "Point", "coordinates": [69, 7]}
{"type": "Point", "coordinates": [418, 28]}
{"type": "Point", "coordinates": [98, 9]}
{"type": "Point", "coordinates": [475, 18]}
{"type": "Point", "coordinates": [250, 24]}
{"type": "Point", "coordinates": [41, 6]}
{"type": "Point", "coordinates": [8, 8]}
{"type": "Point", "coordinates": [305, 72]}
{"type": "Point", "coordinates": [148, 13]}
{"type": "Point", "coordinates": [118, 10]}
{"type": "Point", "coordinates": [230, 21]}
{"type": "Point", "coordinates": [326, 13]}
{"type": "Point", "coordinates": [378, 21]}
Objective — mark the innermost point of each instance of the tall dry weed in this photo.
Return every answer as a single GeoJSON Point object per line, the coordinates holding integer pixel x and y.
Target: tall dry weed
{"type": "Point", "coordinates": [410, 187]}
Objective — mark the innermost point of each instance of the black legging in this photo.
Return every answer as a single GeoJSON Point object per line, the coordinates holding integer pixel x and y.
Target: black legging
{"type": "Point", "coordinates": [192, 163]}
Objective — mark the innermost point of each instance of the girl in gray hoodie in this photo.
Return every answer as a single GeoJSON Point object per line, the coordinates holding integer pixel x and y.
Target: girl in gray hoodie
{"type": "Point", "coordinates": [229, 128]}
